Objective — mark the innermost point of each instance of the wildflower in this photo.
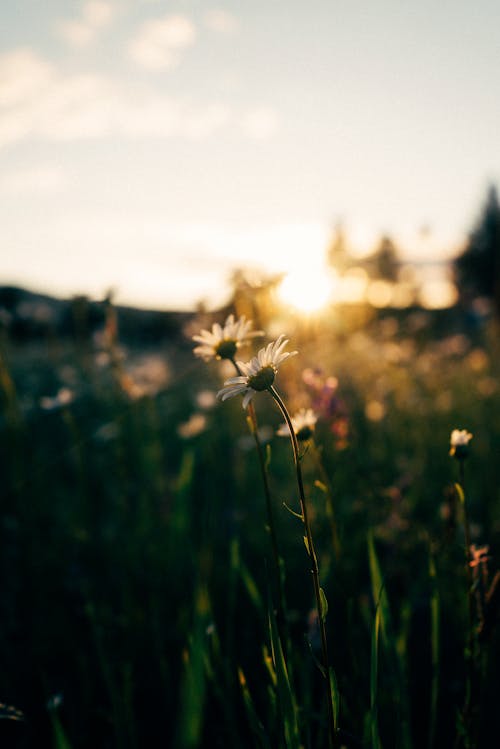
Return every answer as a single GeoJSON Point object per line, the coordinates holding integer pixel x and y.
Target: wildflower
{"type": "Point", "coordinates": [327, 404]}
{"type": "Point", "coordinates": [459, 442]}
{"type": "Point", "coordinates": [205, 399]}
{"type": "Point", "coordinates": [63, 398]}
{"type": "Point", "coordinates": [223, 342]}
{"type": "Point", "coordinates": [304, 423]}
{"type": "Point", "coordinates": [478, 555]}
{"type": "Point", "coordinates": [258, 374]}
{"type": "Point", "coordinates": [193, 426]}
{"type": "Point", "coordinates": [149, 375]}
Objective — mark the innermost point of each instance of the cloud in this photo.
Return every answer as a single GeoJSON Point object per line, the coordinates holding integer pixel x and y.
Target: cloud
{"type": "Point", "coordinates": [220, 21]}
{"type": "Point", "coordinates": [39, 100]}
{"type": "Point", "coordinates": [159, 43]}
{"type": "Point", "coordinates": [82, 31]}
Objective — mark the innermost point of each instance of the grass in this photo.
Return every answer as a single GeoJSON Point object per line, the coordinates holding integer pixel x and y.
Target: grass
{"type": "Point", "coordinates": [137, 566]}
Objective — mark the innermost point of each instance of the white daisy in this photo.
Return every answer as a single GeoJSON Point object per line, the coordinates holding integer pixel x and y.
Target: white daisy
{"type": "Point", "coordinates": [459, 442]}
{"type": "Point", "coordinates": [222, 342]}
{"type": "Point", "coordinates": [258, 374]}
{"type": "Point", "coordinates": [303, 422]}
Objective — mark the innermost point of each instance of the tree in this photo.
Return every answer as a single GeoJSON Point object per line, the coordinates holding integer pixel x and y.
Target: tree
{"type": "Point", "coordinates": [477, 269]}
{"type": "Point", "coordinates": [337, 252]}
{"type": "Point", "coordinates": [383, 263]}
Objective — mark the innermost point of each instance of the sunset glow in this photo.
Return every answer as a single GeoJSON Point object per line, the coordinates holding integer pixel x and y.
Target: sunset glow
{"type": "Point", "coordinates": [157, 149]}
{"type": "Point", "coordinates": [307, 290]}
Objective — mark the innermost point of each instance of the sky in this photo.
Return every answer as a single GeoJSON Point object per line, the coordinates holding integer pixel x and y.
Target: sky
{"type": "Point", "coordinates": [152, 147]}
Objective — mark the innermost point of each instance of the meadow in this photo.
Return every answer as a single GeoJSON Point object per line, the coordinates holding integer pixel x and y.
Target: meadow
{"type": "Point", "coordinates": [156, 587]}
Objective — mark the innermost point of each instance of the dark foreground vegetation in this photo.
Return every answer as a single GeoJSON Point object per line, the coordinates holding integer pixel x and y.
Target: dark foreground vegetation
{"type": "Point", "coordinates": [138, 590]}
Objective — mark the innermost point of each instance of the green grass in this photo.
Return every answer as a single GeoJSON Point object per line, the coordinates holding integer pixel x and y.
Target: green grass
{"type": "Point", "coordinates": [137, 569]}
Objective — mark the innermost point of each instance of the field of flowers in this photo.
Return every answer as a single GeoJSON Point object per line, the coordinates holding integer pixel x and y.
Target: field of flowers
{"type": "Point", "coordinates": [317, 569]}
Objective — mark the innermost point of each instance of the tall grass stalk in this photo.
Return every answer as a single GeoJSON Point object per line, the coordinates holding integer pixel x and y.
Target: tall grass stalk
{"type": "Point", "coordinates": [321, 605]}
{"type": "Point", "coordinates": [374, 681]}
{"type": "Point", "coordinates": [470, 649]}
{"type": "Point", "coordinates": [285, 694]}
{"type": "Point", "coordinates": [435, 618]}
{"type": "Point", "coordinates": [390, 643]}
{"type": "Point", "coordinates": [327, 488]}
{"type": "Point", "coordinates": [60, 739]}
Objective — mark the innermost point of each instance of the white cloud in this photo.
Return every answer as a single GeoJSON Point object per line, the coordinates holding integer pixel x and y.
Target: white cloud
{"type": "Point", "coordinates": [159, 43]}
{"type": "Point", "coordinates": [82, 31]}
{"type": "Point", "coordinates": [38, 100]}
{"type": "Point", "coordinates": [220, 21]}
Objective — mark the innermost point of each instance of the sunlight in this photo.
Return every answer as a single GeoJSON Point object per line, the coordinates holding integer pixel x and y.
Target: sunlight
{"type": "Point", "coordinates": [308, 290]}
{"type": "Point", "coordinates": [438, 294]}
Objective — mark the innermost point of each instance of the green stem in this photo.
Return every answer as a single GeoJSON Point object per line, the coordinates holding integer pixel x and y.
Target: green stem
{"type": "Point", "coordinates": [470, 655]}
{"type": "Point", "coordinates": [314, 563]}
{"type": "Point", "coordinates": [269, 510]}
{"type": "Point", "coordinates": [329, 498]}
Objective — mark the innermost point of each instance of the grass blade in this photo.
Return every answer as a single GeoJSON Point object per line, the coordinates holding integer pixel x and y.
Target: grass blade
{"type": "Point", "coordinates": [286, 697]}
{"type": "Point", "coordinates": [435, 617]}
{"type": "Point", "coordinates": [390, 642]}
{"type": "Point", "coordinates": [374, 682]}
{"type": "Point", "coordinates": [253, 718]}
{"type": "Point", "coordinates": [194, 682]}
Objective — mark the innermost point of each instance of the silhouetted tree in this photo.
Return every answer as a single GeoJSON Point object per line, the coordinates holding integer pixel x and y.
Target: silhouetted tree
{"type": "Point", "coordinates": [384, 262]}
{"type": "Point", "coordinates": [338, 253]}
{"type": "Point", "coordinates": [477, 269]}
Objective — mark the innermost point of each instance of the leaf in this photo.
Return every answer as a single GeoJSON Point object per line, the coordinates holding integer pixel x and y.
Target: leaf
{"type": "Point", "coordinates": [251, 588]}
{"type": "Point", "coordinates": [460, 493]}
{"type": "Point", "coordinates": [374, 681]}
{"type": "Point", "coordinates": [306, 544]}
{"type": "Point", "coordinates": [268, 456]}
{"type": "Point", "coordinates": [335, 696]}
{"type": "Point", "coordinates": [379, 592]}
{"type": "Point", "coordinates": [320, 485]}
{"type": "Point", "coordinates": [323, 604]}
{"type": "Point", "coordinates": [292, 512]}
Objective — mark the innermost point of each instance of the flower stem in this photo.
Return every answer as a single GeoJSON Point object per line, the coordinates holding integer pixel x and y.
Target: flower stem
{"type": "Point", "coordinates": [314, 564]}
{"type": "Point", "coordinates": [470, 656]}
{"type": "Point", "coordinates": [281, 617]}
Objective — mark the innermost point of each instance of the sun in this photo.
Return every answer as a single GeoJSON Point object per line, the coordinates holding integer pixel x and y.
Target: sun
{"type": "Point", "coordinates": [307, 290]}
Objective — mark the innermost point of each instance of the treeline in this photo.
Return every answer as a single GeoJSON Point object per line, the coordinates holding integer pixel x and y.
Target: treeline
{"type": "Point", "coordinates": [27, 315]}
